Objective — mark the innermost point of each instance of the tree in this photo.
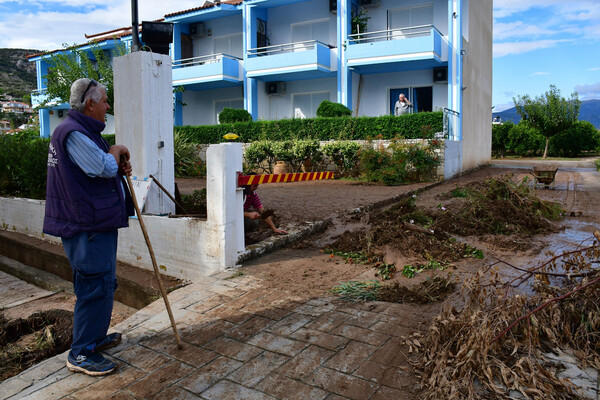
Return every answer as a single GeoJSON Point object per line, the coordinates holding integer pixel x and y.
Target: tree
{"type": "Point", "coordinates": [74, 63]}
{"type": "Point", "coordinates": [550, 114]}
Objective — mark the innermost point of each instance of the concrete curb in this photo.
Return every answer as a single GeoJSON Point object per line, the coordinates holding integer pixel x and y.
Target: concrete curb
{"type": "Point", "coordinates": [37, 277]}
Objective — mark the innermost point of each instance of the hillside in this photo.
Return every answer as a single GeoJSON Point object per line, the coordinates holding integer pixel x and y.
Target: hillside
{"type": "Point", "coordinates": [589, 111]}
{"type": "Point", "coordinates": [17, 74]}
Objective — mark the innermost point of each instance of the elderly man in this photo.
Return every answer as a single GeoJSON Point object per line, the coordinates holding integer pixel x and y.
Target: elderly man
{"type": "Point", "coordinates": [402, 105]}
{"type": "Point", "coordinates": [86, 203]}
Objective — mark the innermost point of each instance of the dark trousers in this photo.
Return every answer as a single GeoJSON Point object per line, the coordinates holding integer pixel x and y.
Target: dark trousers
{"type": "Point", "coordinates": [93, 258]}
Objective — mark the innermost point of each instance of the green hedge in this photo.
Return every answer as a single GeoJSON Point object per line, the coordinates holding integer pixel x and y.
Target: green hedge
{"type": "Point", "coordinates": [232, 115]}
{"type": "Point", "coordinates": [330, 109]}
{"type": "Point", "coordinates": [23, 163]}
{"type": "Point", "coordinates": [411, 126]}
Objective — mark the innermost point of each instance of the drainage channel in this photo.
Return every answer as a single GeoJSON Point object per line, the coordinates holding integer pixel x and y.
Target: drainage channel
{"type": "Point", "coordinates": [45, 265]}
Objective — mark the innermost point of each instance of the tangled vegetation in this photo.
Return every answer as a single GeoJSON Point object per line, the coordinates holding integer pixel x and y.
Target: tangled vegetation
{"type": "Point", "coordinates": [499, 341]}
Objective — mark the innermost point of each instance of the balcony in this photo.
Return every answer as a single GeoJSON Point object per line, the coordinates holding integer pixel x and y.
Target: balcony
{"type": "Point", "coordinates": [291, 61]}
{"type": "Point", "coordinates": [393, 50]}
{"type": "Point", "coordinates": [207, 72]}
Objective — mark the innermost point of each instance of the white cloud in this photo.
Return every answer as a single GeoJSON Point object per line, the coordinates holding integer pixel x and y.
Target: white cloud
{"type": "Point", "coordinates": [594, 69]}
{"type": "Point", "coordinates": [48, 30]}
{"type": "Point", "coordinates": [513, 48]}
{"type": "Point", "coordinates": [587, 92]}
{"type": "Point", "coordinates": [540, 73]}
{"type": "Point", "coordinates": [518, 29]}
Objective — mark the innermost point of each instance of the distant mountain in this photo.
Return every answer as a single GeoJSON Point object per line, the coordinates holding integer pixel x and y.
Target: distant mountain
{"type": "Point", "coordinates": [17, 74]}
{"type": "Point", "coordinates": [589, 111]}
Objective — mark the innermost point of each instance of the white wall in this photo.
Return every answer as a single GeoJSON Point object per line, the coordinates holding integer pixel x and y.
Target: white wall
{"type": "Point", "coordinates": [280, 19]}
{"type": "Point", "coordinates": [280, 107]}
{"type": "Point", "coordinates": [217, 28]}
{"type": "Point", "coordinates": [477, 78]}
{"type": "Point", "coordinates": [375, 92]}
{"type": "Point", "coordinates": [378, 21]}
{"type": "Point", "coordinates": [200, 104]}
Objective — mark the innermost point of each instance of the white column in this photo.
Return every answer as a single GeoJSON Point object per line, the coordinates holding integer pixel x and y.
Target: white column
{"type": "Point", "coordinates": [144, 121]}
{"type": "Point", "coordinates": [224, 203]}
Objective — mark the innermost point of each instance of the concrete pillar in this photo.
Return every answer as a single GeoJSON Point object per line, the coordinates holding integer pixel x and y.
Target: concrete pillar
{"type": "Point", "coordinates": [144, 121]}
{"type": "Point", "coordinates": [224, 203]}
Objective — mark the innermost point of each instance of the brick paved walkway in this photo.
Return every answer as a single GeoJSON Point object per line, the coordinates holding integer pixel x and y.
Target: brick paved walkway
{"type": "Point", "coordinates": [241, 342]}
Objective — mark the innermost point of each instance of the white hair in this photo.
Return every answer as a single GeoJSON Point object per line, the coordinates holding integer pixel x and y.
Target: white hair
{"type": "Point", "coordinates": [83, 89]}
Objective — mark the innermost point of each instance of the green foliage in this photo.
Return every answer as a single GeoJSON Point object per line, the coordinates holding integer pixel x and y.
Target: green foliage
{"type": "Point", "coordinates": [110, 139]}
{"type": "Point", "coordinates": [580, 137]}
{"type": "Point", "coordinates": [307, 151]}
{"type": "Point", "coordinates": [260, 156]}
{"type": "Point", "coordinates": [344, 154]}
{"type": "Point", "coordinates": [400, 162]}
{"type": "Point", "coordinates": [524, 140]}
{"type": "Point", "coordinates": [357, 291]}
{"type": "Point", "coordinates": [410, 126]}
{"type": "Point", "coordinates": [597, 162]}
{"type": "Point", "coordinates": [359, 22]}
{"type": "Point", "coordinates": [73, 63]}
{"type": "Point", "coordinates": [551, 114]}
{"type": "Point", "coordinates": [410, 271]}
{"type": "Point", "coordinates": [195, 203]}
{"type": "Point", "coordinates": [186, 158]}
{"type": "Point", "coordinates": [232, 115]}
{"type": "Point", "coordinates": [23, 162]}
{"type": "Point", "coordinates": [327, 109]}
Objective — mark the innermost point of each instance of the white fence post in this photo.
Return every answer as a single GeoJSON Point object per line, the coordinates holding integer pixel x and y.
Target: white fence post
{"type": "Point", "coordinates": [225, 218]}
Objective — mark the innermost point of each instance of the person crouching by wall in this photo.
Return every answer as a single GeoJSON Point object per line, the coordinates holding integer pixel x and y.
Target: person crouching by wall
{"type": "Point", "coordinates": [254, 211]}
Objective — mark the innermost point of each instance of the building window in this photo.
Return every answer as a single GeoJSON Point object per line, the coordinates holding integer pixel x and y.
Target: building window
{"type": "Point", "coordinates": [401, 19]}
{"type": "Point", "coordinates": [230, 45]}
{"type": "Point", "coordinates": [306, 104]}
{"type": "Point", "coordinates": [307, 31]}
{"type": "Point", "coordinates": [233, 103]}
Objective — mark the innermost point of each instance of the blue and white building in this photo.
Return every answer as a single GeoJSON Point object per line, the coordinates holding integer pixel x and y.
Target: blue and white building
{"type": "Point", "coordinates": [280, 58]}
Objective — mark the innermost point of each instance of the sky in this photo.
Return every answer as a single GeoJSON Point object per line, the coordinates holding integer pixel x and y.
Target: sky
{"type": "Point", "coordinates": [537, 43]}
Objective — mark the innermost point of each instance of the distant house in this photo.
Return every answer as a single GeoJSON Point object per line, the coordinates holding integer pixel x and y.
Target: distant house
{"type": "Point", "coordinates": [4, 126]}
{"type": "Point", "coordinates": [280, 59]}
{"type": "Point", "coordinates": [16, 107]}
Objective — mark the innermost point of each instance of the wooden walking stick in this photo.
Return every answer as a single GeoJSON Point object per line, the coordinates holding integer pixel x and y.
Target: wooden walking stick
{"type": "Point", "coordinates": [156, 272]}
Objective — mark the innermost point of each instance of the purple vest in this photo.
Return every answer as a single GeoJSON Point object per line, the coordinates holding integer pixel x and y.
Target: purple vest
{"type": "Point", "coordinates": [74, 201]}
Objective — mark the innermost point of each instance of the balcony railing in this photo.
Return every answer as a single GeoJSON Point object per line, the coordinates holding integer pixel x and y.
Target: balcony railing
{"type": "Point", "coordinates": [202, 60]}
{"type": "Point", "coordinates": [451, 122]}
{"type": "Point", "coordinates": [287, 48]}
{"type": "Point", "coordinates": [393, 34]}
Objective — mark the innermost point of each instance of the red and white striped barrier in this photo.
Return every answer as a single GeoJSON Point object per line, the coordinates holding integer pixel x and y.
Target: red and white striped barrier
{"type": "Point", "coordinates": [281, 178]}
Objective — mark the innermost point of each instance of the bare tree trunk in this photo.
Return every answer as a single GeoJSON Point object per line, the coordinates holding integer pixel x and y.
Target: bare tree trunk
{"type": "Point", "coordinates": [546, 149]}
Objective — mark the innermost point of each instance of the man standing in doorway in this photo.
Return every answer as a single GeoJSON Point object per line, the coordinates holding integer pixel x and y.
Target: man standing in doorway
{"type": "Point", "coordinates": [402, 105]}
{"type": "Point", "coordinates": [86, 203]}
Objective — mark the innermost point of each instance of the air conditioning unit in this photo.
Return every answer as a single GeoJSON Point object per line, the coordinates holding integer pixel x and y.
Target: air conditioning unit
{"type": "Point", "coordinates": [275, 88]}
{"type": "Point", "coordinates": [440, 74]}
{"type": "Point", "coordinates": [333, 6]}
{"type": "Point", "coordinates": [197, 30]}
{"type": "Point", "coordinates": [370, 3]}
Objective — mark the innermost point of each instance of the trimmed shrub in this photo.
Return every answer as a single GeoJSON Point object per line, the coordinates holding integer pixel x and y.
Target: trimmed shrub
{"type": "Point", "coordinates": [328, 109]}
{"type": "Point", "coordinates": [231, 115]}
{"type": "Point", "coordinates": [344, 155]}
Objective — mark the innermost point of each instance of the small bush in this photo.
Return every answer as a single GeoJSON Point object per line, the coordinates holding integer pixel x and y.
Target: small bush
{"type": "Point", "coordinates": [328, 109]}
{"type": "Point", "coordinates": [232, 115]}
{"type": "Point", "coordinates": [258, 154]}
{"type": "Point", "coordinates": [400, 162]}
{"type": "Point", "coordinates": [344, 155]}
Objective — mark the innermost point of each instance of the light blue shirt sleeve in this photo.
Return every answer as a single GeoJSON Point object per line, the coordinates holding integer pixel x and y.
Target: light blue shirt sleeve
{"type": "Point", "coordinates": [89, 157]}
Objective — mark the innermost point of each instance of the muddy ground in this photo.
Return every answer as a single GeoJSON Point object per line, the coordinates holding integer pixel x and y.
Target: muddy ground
{"type": "Point", "coordinates": [307, 269]}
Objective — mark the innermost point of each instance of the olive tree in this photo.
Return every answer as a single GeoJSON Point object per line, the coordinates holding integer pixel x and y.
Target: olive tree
{"type": "Point", "coordinates": [74, 63]}
{"type": "Point", "coordinates": [550, 113]}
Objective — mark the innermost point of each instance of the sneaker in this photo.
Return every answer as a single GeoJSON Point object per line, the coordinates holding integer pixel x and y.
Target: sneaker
{"type": "Point", "coordinates": [93, 364]}
{"type": "Point", "coordinates": [109, 341]}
